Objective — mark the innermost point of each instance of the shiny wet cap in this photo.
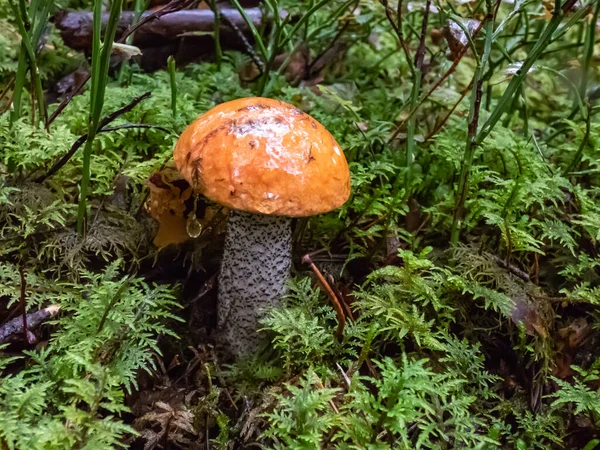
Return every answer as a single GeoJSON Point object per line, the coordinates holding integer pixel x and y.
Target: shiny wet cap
{"type": "Point", "coordinates": [264, 156]}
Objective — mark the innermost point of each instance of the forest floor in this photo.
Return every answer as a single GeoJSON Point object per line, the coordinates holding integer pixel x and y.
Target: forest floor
{"type": "Point", "coordinates": [460, 306]}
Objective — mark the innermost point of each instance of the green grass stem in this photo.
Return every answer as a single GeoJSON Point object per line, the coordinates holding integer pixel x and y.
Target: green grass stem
{"type": "Point", "coordinates": [171, 66]}
{"type": "Point", "coordinates": [100, 64]}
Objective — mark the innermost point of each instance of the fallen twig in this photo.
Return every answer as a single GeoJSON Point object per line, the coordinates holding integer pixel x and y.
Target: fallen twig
{"type": "Point", "coordinates": [18, 325]}
{"type": "Point", "coordinates": [236, 29]}
{"type": "Point", "coordinates": [101, 128]}
{"type": "Point", "coordinates": [397, 26]}
{"type": "Point", "coordinates": [512, 269]}
{"type": "Point", "coordinates": [306, 259]}
{"type": "Point", "coordinates": [340, 296]}
{"type": "Point", "coordinates": [76, 26]}
{"type": "Point", "coordinates": [557, 299]}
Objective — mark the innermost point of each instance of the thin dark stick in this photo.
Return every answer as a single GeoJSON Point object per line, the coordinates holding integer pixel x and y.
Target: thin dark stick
{"type": "Point", "coordinates": [13, 328]}
{"type": "Point", "coordinates": [78, 90]}
{"type": "Point", "coordinates": [206, 288]}
{"type": "Point", "coordinates": [174, 5]}
{"type": "Point", "coordinates": [439, 82]}
{"type": "Point", "coordinates": [338, 293]}
{"type": "Point", "coordinates": [8, 87]}
{"type": "Point", "coordinates": [512, 269]}
{"type": "Point", "coordinates": [79, 142]}
{"type": "Point", "coordinates": [439, 126]}
{"type": "Point", "coordinates": [420, 55]}
{"type": "Point", "coordinates": [249, 48]}
{"type": "Point", "coordinates": [557, 299]}
{"type": "Point", "coordinates": [578, 154]}
{"type": "Point", "coordinates": [568, 5]}
{"type": "Point", "coordinates": [329, 47]}
{"type": "Point", "coordinates": [471, 144]}
{"type": "Point", "coordinates": [397, 26]}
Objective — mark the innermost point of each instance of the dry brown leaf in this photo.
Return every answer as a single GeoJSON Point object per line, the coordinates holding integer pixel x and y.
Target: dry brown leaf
{"type": "Point", "coordinates": [175, 422]}
{"type": "Point", "coordinates": [456, 38]}
{"type": "Point", "coordinates": [525, 312]}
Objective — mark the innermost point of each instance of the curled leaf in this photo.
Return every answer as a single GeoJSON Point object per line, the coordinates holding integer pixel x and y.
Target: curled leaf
{"type": "Point", "coordinates": [181, 214]}
{"type": "Point", "coordinates": [456, 38]}
{"type": "Point", "coordinates": [168, 194]}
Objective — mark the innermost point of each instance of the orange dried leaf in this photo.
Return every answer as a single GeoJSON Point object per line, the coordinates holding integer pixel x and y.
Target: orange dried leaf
{"type": "Point", "coordinates": [168, 194]}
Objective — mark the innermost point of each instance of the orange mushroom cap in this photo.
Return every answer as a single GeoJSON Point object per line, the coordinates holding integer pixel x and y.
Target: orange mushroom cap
{"type": "Point", "coordinates": [264, 156]}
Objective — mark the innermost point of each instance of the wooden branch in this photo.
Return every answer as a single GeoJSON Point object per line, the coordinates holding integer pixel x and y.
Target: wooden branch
{"type": "Point", "coordinates": [512, 269]}
{"type": "Point", "coordinates": [243, 39]}
{"type": "Point", "coordinates": [16, 326]}
{"type": "Point", "coordinates": [76, 26]}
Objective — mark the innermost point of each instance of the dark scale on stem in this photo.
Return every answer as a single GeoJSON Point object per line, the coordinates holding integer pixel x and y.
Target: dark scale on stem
{"type": "Point", "coordinates": [197, 174]}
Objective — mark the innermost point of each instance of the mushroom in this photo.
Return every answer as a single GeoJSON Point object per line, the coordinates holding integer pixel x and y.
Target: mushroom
{"type": "Point", "coordinates": [268, 162]}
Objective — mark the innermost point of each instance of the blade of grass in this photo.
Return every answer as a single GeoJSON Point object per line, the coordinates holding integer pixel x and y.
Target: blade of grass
{"type": "Point", "coordinates": [19, 84]}
{"type": "Point", "coordinates": [257, 37]}
{"type": "Point", "coordinates": [307, 15]}
{"type": "Point", "coordinates": [588, 53]}
{"type": "Point", "coordinates": [414, 98]}
{"type": "Point", "coordinates": [139, 7]}
{"type": "Point", "coordinates": [28, 41]}
{"type": "Point", "coordinates": [172, 6]}
{"type": "Point", "coordinates": [505, 101]}
{"type": "Point", "coordinates": [518, 8]}
{"type": "Point", "coordinates": [516, 81]}
{"type": "Point", "coordinates": [273, 47]}
{"type": "Point", "coordinates": [173, 82]}
{"type": "Point", "coordinates": [82, 139]}
{"type": "Point", "coordinates": [22, 67]}
{"type": "Point", "coordinates": [476, 95]}
{"type": "Point", "coordinates": [100, 65]}
{"type": "Point", "coordinates": [575, 18]}
{"type": "Point", "coordinates": [584, 142]}
{"type": "Point", "coordinates": [435, 86]}
{"type": "Point", "coordinates": [217, 33]}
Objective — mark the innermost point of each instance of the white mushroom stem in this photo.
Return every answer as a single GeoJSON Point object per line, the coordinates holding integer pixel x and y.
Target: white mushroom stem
{"type": "Point", "coordinates": [254, 274]}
